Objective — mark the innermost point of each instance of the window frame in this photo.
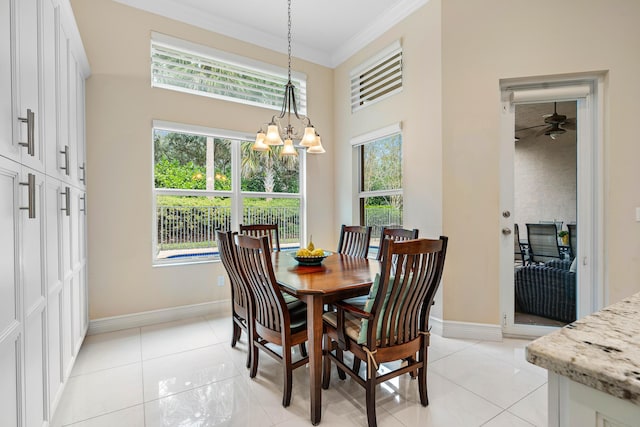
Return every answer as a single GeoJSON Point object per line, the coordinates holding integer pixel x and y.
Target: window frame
{"type": "Point", "coordinates": [359, 143]}
{"type": "Point", "coordinates": [236, 195]}
{"type": "Point", "coordinates": [269, 72]}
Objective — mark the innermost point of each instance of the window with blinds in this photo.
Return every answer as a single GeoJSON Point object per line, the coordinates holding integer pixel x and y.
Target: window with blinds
{"type": "Point", "coordinates": [200, 70]}
{"type": "Point", "coordinates": [377, 78]}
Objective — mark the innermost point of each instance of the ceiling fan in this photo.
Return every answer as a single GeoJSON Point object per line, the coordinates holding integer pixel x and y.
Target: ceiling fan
{"type": "Point", "coordinates": [552, 125]}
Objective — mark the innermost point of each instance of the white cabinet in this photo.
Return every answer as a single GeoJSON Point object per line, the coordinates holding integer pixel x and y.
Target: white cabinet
{"type": "Point", "coordinates": [11, 333]}
{"type": "Point", "coordinates": [43, 287]}
{"type": "Point", "coordinates": [7, 148]}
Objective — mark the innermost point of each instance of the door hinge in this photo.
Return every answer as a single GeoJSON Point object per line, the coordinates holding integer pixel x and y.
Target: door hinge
{"type": "Point", "coordinates": [504, 320]}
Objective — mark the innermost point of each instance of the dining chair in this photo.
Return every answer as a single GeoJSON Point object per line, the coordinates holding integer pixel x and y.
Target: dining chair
{"type": "Point", "coordinates": [276, 322]}
{"type": "Point", "coordinates": [394, 324]}
{"type": "Point", "coordinates": [543, 243]}
{"type": "Point", "coordinates": [259, 230]}
{"type": "Point", "coordinates": [354, 240]}
{"type": "Point", "coordinates": [241, 296]}
{"type": "Point", "coordinates": [573, 239]}
{"type": "Point", "coordinates": [395, 234]}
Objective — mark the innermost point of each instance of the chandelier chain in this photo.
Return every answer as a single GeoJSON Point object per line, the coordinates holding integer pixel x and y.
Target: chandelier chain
{"type": "Point", "coordinates": [289, 35]}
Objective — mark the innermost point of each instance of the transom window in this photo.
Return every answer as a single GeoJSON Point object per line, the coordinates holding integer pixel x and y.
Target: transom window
{"type": "Point", "coordinates": [208, 179]}
{"type": "Point", "coordinates": [380, 179]}
{"type": "Point", "coordinates": [200, 70]}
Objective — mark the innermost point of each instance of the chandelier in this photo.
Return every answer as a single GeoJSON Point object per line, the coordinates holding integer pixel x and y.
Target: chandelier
{"type": "Point", "coordinates": [281, 125]}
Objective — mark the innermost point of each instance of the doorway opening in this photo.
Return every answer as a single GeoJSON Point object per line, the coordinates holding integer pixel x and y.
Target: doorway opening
{"type": "Point", "coordinates": [551, 184]}
{"type": "Point", "coordinates": [545, 213]}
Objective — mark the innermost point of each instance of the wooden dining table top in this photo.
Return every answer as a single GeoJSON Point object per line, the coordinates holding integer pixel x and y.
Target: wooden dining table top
{"type": "Point", "coordinates": [338, 274]}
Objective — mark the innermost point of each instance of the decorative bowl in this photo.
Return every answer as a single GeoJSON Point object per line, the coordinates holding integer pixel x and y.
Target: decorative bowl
{"type": "Point", "coordinates": [310, 260]}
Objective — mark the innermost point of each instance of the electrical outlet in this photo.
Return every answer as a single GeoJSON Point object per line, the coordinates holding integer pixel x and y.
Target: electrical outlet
{"type": "Point", "coordinates": [638, 214]}
{"type": "Point", "coordinates": [220, 280]}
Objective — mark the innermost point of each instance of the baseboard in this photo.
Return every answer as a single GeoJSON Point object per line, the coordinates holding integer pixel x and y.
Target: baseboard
{"type": "Point", "coordinates": [146, 318]}
{"type": "Point", "coordinates": [466, 330]}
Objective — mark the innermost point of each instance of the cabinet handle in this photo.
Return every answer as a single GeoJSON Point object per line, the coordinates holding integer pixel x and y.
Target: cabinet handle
{"type": "Point", "coordinates": [31, 184]}
{"type": "Point", "coordinates": [66, 160]}
{"type": "Point", "coordinates": [30, 120]}
{"type": "Point", "coordinates": [67, 201]}
{"type": "Point", "coordinates": [84, 204]}
{"type": "Point", "coordinates": [83, 178]}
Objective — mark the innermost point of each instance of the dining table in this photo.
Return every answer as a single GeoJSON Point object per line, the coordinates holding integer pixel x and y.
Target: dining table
{"type": "Point", "coordinates": [338, 277]}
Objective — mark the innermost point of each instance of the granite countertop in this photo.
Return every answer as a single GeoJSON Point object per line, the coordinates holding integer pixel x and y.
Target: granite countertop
{"type": "Point", "coordinates": [601, 350]}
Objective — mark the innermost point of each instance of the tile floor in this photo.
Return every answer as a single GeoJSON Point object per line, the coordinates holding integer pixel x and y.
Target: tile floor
{"type": "Point", "coordinates": [185, 373]}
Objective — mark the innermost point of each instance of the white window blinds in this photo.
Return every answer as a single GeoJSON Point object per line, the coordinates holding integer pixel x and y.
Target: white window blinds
{"type": "Point", "coordinates": [200, 70]}
{"type": "Point", "coordinates": [377, 78]}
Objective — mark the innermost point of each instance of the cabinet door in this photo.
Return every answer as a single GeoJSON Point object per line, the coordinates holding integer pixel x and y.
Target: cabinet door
{"type": "Point", "coordinates": [7, 147]}
{"type": "Point", "coordinates": [26, 83]}
{"type": "Point", "coordinates": [10, 311]}
{"type": "Point", "coordinates": [48, 93]}
{"type": "Point", "coordinates": [36, 401]}
{"type": "Point", "coordinates": [32, 237]}
{"type": "Point", "coordinates": [63, 98]}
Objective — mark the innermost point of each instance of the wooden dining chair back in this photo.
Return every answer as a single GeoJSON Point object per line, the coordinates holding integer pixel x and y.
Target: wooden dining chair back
{"type": "Point", "coordinates": [395, 234]}
{"type": "Point", "coordinates": [259, 230]}
{"type": "Point", "coordinates": [394, 324]}
{"type": "Point", "coordinates": [354, 240]}
{"type": "Point", "coordinates": [241, 297]}
{"type": "Point", "coordinates": [573, 239]}
{"type": "Point", "coordinates": [543, 242]}
{"type": "Point", "coordinates": [276, 322]}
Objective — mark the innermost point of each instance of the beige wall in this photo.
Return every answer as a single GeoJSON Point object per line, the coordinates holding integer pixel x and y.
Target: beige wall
{"type": "Point", "coordinates": [418, 107]}
{"type": "Point", "coordinates": [455, 54]}
{"type": "Point", "coordinates": [485, 41]}
{"type": "Point", "coordinates": [121, 106]}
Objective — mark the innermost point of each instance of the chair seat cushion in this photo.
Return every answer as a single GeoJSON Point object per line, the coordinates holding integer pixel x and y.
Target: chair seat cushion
{"type": "Point", "coordinates": [297, 315]}
{"type": "Point", "coordinates": [352, 324]}
{"type": "Point", "coordinates": [288, 298]}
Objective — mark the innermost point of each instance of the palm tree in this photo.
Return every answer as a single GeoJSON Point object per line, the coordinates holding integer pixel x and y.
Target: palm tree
{"type": "Point", "coordinates": [254, 162]}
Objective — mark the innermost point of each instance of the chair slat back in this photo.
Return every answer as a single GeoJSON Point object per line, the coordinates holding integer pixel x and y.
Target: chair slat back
{"type": "Point", "coordinates": [405, 313]}
{"type": "Point", "coordinates": [543, 242]}
{"type": "Point", "coordinates": [254, 256]}
{"type": "Point", "coordinates": [259, 230]}
{"type": "Point", "coordinates": [517, 247]}
{"type": "Point", "coordinates": [573, 239]}
{"type": "Point", "coordinates": [354, 240]}
{"type": "Point", "coordinates": [240, 293]}
{"type": "Point", "coordinates": [395, 234]}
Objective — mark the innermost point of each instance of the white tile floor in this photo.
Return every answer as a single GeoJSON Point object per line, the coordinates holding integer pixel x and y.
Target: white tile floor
{"type": "Point", "coordinates": [185, 373]}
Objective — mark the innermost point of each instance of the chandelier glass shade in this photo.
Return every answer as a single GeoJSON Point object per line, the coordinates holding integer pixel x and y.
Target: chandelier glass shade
{"type": "Point", "coordinates": [282, 126]}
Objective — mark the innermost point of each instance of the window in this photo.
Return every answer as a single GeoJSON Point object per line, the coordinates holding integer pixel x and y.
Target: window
{"type": "Point", "coordinates": [208, 179]}
{"type": "Point", "coordinates": [380, 181]}
{"type": "Point", "coordinates": [188, 67]}
{"type": "Point", "coordinates": [377, 78]}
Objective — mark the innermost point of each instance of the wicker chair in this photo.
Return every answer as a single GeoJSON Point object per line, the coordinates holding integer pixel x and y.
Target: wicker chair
{"type": "Point", "coordinates": [547, 290]}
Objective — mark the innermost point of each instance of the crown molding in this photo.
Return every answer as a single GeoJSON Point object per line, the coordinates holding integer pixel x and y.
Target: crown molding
{"type": "Point", "coordinates": [173, 9]}
{"type": "Point", "coordinates": [374, 30]}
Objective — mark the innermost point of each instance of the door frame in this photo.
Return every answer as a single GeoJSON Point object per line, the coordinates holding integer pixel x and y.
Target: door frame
{"type": "Point", "coordinates": [587, 91]}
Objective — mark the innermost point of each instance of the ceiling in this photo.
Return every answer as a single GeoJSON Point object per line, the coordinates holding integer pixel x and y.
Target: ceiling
{"type": "Point", "coordinates": [529, 120]}
{"type": "Point", "coordinates": [326, 32]}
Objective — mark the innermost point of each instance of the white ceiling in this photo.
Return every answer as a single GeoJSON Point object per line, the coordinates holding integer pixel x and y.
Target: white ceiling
{"type": "Point", "coordinates": [326, 32]}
